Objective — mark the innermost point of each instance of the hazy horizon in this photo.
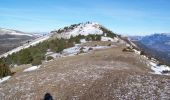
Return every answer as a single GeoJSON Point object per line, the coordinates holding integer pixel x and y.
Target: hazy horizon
{"type": "Point", "coordinates": [127, 17]}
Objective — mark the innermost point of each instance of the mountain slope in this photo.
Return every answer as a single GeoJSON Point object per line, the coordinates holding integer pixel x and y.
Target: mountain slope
{"type": "Point", "coordinates": [86, 66]}
{"type": "Point", "coordinates": [11, 32]}
{"type": "Point", "coordinates": [156, 45]}
{"type": "Point", "coordinates": [84, 29]}
{"type": "Point", "coordinates": [57, 44]}
{"type": "Point", "coordinates": [159, 42]}
{"type": "Point", "coordinates": [81, 29]}
{"type": "Point", "coordinates": [10, 39]}
{"type": "Point", "coordinates": [34, 41]}
{"type": "Point", "coordinates": [100, 74]}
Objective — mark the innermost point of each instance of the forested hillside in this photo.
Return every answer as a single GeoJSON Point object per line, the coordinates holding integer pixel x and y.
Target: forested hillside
{"type": "Point", "coordinates": [36, 54]}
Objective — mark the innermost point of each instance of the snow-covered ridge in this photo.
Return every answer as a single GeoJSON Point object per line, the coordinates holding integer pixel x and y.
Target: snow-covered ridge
{"type": "Point", "coordinates": [82, 29]}
{"type": "Point", "coordinates": [27, 45]}
{"type": "Point", "coordinates": [4, 31]}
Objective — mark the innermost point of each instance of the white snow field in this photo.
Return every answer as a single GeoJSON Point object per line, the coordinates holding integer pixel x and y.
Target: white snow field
{"type": "Point", "coordinates": [31, 68]}
{"type": "Point", "coordinates": [71, 51]}
{"type": "Point", "coordinates": [86, 29]}
{"type": "Point", "coordinates": [12, 32]}
{"type": "Point", "coordinates": [159, 69]}
{"type": "Point", "coordinates": [82, 29]}
{"type": "Point", "coordinates": [103, 38]}
{"type": "Point", "coordinates": [4, 79]}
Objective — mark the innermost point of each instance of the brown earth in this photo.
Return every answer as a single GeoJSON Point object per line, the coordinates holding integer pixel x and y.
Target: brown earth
{"type": "Point", "coordinates": [106, 74]}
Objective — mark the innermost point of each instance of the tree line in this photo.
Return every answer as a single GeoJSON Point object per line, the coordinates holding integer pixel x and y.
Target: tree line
{"type": "Point", "coordinates": [36, 54]}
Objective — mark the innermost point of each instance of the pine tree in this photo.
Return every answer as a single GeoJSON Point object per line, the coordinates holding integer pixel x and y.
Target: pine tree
{"type": "Point", "coordinates": [4, 70]}
{"type": "Point", "coordinates": [25, 57]}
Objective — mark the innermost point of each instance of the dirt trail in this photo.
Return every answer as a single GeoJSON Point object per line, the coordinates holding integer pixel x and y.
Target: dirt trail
{"type": "Point", "coordinates": [99, 75]}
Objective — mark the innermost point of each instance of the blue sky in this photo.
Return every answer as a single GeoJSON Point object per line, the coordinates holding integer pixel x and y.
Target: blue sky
{"type": "Point", "coordinates": [128, 17]}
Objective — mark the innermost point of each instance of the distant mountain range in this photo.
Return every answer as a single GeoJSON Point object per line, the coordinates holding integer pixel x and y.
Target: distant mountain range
{"type": "Point", "coordinates": [156, 44]}
{"type": "Point", "coordinates": [11, 32]}
{"type": "Point", "coordinates": [10, 39]}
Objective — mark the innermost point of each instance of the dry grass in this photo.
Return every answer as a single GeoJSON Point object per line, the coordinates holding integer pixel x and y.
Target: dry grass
{"type": "Point", "coordinates": [99, 75]}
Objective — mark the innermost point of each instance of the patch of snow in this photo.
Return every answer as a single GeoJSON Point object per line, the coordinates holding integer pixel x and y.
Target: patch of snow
{"type": "Point", "coordinates": [103, 38]}
{"type": "Point", "coordinates": [71, 51]}
{"type": "Point", "coordinates": [153, 64]}
{"type": "Point", "coordinates": [86, 48]}
{"type": "Point", "coordinates": [14, 65]}
{"type": "Point", "coordinates": [145, 57]}
{"type": "Point", "coordinates": [82, 29]}
{"type": "Point", "coordinates": [56, 55]}
{"type": "Point", "coordinates": [101, 47]}
{"type": "Point", "coordinates": [83, 41]}
{"type": "Point", "coordinates": [32, 68]}
{"type": "Point", "coordinates": [153, 59]}
{"type": "Point", "coordinates": [137, 52]}
{"type": "Point", "coordinates": [86, 29]}
{"type": "Point", "coordinates": [4, 79]}
{"type": "Point", "coordinates": [53, 54]}
{"type": "Point", "coordinates": [127, 45]}
{"type": "Point", "coordinates": [49, 53]}
{"type": "Point", "coordinates": [159, 69]}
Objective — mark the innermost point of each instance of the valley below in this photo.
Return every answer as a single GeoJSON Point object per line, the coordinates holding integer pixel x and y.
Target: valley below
{"type": "Point", "coordinates": [10, 39]}
{"type": "Point", "coordinates": [155, 45]}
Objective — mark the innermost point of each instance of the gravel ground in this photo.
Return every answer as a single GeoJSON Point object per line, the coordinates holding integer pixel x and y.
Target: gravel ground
{"type": "Point", "coordinates": [99, 75]}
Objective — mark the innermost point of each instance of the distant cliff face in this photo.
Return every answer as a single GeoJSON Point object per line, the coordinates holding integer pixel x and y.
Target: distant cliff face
{"type": "Point", "coordinates": [10, 39]}
{"type": "Point", "coordinates": [160, 42]}
{"type": "Point", "coordinates": [156, 44]}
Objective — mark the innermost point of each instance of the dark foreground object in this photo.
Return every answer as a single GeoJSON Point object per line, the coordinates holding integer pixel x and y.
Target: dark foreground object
{"type": "Point", "coordinates": [48, 97]}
